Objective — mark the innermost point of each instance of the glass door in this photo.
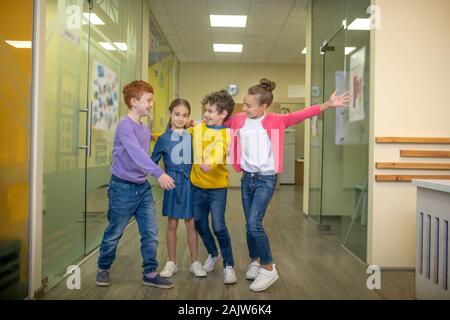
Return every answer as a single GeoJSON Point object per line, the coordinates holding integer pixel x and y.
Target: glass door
{"type": "Point", "coordinates": [93, 48]}
{"type": "Point", "coordinates": [338, 191]}
{"type": "Point", "coordinates": [104, 95]}
{"type": "Point", "coordinates": [325, 161]}
{"type": "Point", "coordinates": [356, 128]}
{"type": "Point", "coordinates": [332, 196]}
{"type": "Point", "coordinates": [344, 143]}
{"type": "Point", "coordinates": [66, 106]}
{"type": "Point", "coordinates": [115, 46]}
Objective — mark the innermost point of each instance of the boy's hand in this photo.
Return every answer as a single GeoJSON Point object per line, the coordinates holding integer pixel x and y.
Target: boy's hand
{"type": "Point", "coordinates": [154, 137]}
{"type": "Point", "coordinates": [192, 123]}
{"type": "Point", "coordinates": [205, 167]}
{"type": "Point", "coordinates": [166, 182]}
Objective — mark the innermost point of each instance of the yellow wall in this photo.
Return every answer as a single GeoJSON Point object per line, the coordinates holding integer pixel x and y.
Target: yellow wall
{"type": "Point", "coordinates": [160, 76]}
{"type": "Point", "coordinates": [198, 79]}
{"type": "Point", "coordinates": [15, 84]}
{"type": "Point", "coordinates": [410, 68]}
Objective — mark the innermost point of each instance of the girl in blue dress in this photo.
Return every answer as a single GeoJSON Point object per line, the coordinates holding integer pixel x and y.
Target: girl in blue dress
{"type": "Point", "coordinates": [175, 148]}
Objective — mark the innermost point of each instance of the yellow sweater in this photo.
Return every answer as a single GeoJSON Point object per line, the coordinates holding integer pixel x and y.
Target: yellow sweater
{"type": "Point", "coordinates": [209, 145]}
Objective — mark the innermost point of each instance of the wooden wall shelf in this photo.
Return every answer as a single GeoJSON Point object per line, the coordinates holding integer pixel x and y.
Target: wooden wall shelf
{"type": "Point", "coordinates": [408, 178]}
{"type": "Point", "coordinates": [413, 166]}
{"type": "Point", "coordinates": [425, 153]}
{"type": "Point", "coordinates": [412, 140]}
{"type": "Point", "coordinates": [415, 154]}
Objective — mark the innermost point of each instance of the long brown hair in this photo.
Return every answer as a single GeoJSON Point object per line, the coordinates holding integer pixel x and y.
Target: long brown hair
{"type": "Point", "coordinates": [264, 91]}
{"type": "Point", "coordinates": [175, 103]}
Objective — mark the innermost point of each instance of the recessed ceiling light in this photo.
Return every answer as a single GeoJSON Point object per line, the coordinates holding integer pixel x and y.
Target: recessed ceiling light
{"type": "Point", "coordinates": [93, 18]}
{"type": "Point", "coordinates": [232, 21]}
{"type": "Point", "coordinates": [349, 50]}
{"type": "Point", "coordinates": [304, 51]}
{"type": "Point", "coordinates": [220, 47]}
{"type": "Point", "coordinates": [19, 44]}
{"type": "Point", "coordinates": [121, 45]}
{"type": "Point", "coordinates": [360, 24]}
{"type": "Point", "coordinates": [108, 46]}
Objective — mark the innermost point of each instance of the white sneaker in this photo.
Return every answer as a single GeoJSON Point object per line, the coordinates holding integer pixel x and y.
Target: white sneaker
{"type": "Point", "coordinates": [210, 263]}
{"type": "Point", "coordinates": [197, 269]}
{"type": "Point", "coordinates": [169, 269]}
{"type": "Point", "coordinates": [229, 276]}
{"type": "Point", "coordinates": [252, 270]}
{"type": "Point", "coordinates": [264, 279]}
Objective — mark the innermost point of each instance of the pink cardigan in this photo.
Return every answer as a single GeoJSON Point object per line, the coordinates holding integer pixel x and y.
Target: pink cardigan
{"type": "Point", "coordinates": [275, 124]}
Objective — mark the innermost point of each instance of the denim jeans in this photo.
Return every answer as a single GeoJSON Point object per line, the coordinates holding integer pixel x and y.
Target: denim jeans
{"type": "Point", "coordinates": [214, 201]}
{"type": "Point", "coordinates": [127, 199]}
{"type": "Point", "coordinates": [256, 192]}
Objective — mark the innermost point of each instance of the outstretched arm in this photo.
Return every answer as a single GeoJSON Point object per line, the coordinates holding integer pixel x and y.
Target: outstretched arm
{"type": "Point", "coordinates": [142, 159]}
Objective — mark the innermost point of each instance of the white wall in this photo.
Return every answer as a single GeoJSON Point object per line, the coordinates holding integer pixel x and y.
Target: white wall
{"type": "Point", "coordinates": [410, 69]}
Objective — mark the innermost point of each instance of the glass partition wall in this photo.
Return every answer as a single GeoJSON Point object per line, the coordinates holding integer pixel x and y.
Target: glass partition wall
{"type": "Point", "coordinates": [92, 49]}
{"type": "Point", "coordinates": [339, 138]}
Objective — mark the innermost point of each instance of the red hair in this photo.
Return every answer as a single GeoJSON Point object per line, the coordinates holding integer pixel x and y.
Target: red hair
{"type": "Point", "coordinates": [135, 89]}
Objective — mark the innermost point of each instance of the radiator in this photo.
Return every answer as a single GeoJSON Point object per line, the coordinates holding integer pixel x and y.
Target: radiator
{"type": "Point", "coordinates": [432, 249]}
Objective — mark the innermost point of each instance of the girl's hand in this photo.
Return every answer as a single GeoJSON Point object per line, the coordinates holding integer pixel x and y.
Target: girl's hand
{"type": "Point", "coordinates": [166, 182]}
{"type": "Point", "coordinates": [340, 101]}
{"type": "Point", "coordinates": [205, 167]}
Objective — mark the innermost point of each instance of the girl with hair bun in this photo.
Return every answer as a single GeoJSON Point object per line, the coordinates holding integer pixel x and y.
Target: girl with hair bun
{"type": "Point", "coordinates": [257, 151]}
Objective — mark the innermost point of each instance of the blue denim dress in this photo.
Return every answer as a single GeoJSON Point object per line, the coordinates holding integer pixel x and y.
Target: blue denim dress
{"type": "Point", "coordinates": [176, 151]}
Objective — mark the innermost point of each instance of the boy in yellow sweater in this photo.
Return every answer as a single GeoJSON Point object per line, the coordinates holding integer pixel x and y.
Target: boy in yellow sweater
{"type": "Point", "coordinates": [209, 177]}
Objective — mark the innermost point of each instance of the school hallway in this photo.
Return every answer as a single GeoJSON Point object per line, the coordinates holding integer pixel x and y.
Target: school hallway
{"type": "Point", "coordinates": [311, 263]}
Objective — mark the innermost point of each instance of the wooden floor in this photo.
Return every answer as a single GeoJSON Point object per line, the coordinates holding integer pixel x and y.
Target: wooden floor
{"type": "Point", "coordinates": [311, 264]}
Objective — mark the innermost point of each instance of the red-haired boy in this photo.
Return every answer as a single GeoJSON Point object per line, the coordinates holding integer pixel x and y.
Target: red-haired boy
{"type": "Point", "coordinates": [129, 192]}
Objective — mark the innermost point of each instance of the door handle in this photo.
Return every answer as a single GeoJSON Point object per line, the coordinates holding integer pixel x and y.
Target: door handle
{"type": "Point", "coordinates": [88, 112]}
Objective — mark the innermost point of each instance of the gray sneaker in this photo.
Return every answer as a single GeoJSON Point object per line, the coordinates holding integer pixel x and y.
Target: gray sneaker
{"type": "Point", "coordinates": [157, 281]}
{"type": "Point", "coordinates": [102, 279]}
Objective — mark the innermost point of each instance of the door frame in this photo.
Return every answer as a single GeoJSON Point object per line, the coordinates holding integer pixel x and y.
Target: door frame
{"type": "Point", "coordinates": [35, 287]}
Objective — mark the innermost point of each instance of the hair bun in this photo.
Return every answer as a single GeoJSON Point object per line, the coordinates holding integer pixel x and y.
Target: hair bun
{"type": "Point", "coordinates": [267, 84]}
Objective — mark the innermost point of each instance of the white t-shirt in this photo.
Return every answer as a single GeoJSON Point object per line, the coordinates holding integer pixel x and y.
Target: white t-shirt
{"type": "Point", "coordinates": [256, 148]}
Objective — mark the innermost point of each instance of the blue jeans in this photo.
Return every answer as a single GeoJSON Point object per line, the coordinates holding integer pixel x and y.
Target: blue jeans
{"type": "Point", "coordinates": [214, 201]}
{"type": "Point", "coordinates": [127, 199]}
{"type": "Point", "coordinates": [256, 192]}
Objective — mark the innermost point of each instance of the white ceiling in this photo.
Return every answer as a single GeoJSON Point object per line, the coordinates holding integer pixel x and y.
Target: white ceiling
{"type": "Point", "coordinates": [275, 32]}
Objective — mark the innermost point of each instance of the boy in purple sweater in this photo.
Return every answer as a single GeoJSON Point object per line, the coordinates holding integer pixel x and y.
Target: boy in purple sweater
{"type": "Point", "coordinates": [129, 192]}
